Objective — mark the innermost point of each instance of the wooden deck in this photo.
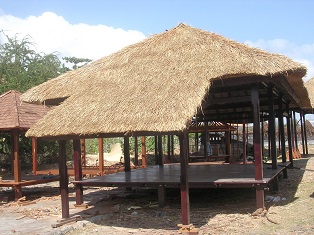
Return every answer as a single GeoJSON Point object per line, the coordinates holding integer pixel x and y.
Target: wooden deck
{"type": "Point", "coordinates": [201, 175]}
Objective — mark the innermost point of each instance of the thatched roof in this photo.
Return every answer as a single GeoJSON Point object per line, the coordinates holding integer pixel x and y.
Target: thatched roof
{"type": "Point", "coordinates": [310, 89]}
{"type": "Point", "coordinates": [155, 85]}
{"type": "Point", "coordinates": [15, 114]}
{"type": "Point", "coordinates": [212, 126]}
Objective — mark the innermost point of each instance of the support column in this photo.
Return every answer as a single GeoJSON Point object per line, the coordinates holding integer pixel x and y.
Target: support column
{"type": "Point", "coordinates": [295, 131]}
{"type": "Point", "coordinates": [64, 180]}
{"type": "Point", "coordinates": [34, 155]}
{"type": "Point", "coordinates": [160, 151]}
{"type": "Point", "coordinates": [16, 164]}
{"type": "Point", "coordinates": [184, 181]}
{"type": "Point", "coordinates": [289, 134]}
{"type": "Point", "coordinates": [135, 151]}
{"type": "Point", "coordinates": [101, 155]}
{"type": "Point", "coordinates": [77, 171]}
{"type": "Point", "coordinates": [282, 134]}
{"type": "Point", "coordinates": [127, 160]}
{"type": "Point", "coordinates": [257, 145]}
{"type": "Point", "coordinates": [143, 151]}
{"type": "Point", "coordinates": [302, 122]}
{"type": "Point", "coordinates": [83, 152]}
{"type": "Point", "coordinates": [156, 150]}
{"type": "Point", "coordinates": [243, 142]}
{"type": "Point", "coordinates": [305, 136]}
{"type": "Point", "coordinates": [272, 128]}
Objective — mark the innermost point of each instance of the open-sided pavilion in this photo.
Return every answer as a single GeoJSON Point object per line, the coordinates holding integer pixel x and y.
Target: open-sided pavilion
{"type": "Point", "coordinates": [161, 86]}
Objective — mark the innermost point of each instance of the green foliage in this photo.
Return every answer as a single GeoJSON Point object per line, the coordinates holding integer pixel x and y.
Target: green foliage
{"type": "Point", "coordinates": [76, 61]}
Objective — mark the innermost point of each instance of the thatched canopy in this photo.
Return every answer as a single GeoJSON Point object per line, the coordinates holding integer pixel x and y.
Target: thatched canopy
{"type": "Point", "coordinates": [156, 85]}
{"type": "Point", "coordinates": [310, 89]}
{"type": "Point", "coordinates": [18, 115]}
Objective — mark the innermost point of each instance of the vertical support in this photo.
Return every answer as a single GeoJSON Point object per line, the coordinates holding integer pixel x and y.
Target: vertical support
{"type": "Point", "coordinates": [83, 152]}
{"type": "Point", "coordinates": [143, 151]}
{"type": "Point", "coordinates": [77, 171]}
{"type": "Point", "coordinates": [63, 172]}
{"type": "Point", "coordinates": [16, 164]}
{"type": "Point", "coordinates": [160, 151]}
{"type": "Point", "coordinates": [34, 155]}
{"type": "Point", "coordinates": [156, 150]}
{"type": "Point", "coordinates": [127, 159]}
{"type": "Point", "coordinates": [302, 122]}
{"type": "Point", "coordinates": [228, 144]}
{"type": "Point", "coordinates": [184, 181]}
{"type": "Point", "coordinates": [295, 131]}
{"type": "Point", "coordinates": [282, 134]}
{"type": "Point", "coordinates": [206, 140]}
{"type": "Point", "coordinates": [161, 196]}
{"type": "Point", "coordinates": [305, 135]}
{"type": "Point", "coordinates": [243, 142]}
{"type": "Point", "coordinates": [272, 128]}
{"type": "Point", "coordinates": [135, 151]}
{"type": "Point", "coordinates": [101, 155]}
{"type": "Point", "coordinates": [168, 149]}
{"type": "Point", "coordinates": [257, 145]}
{"type": "Point", "coordinates": [289, 134]}
{"type": "Point", "coordinates": [263, 136]}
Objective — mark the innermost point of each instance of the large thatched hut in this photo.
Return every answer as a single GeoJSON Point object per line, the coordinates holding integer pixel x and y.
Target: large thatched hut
{"type": "Point", "coordinates": [165, 83]}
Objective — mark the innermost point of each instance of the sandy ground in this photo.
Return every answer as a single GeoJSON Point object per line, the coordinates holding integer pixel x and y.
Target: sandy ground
{"type": "Point", "coordinates": [120, 211]}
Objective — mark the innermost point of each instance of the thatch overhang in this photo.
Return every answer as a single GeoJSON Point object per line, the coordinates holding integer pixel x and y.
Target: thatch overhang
{"type": "Point", "coordinates": [212, 126]}
{"type": "Point", "coordinates": [18, 115]}
{"type": "Point", "coordinates": [309, 84]}
{"type": "Point", "coordinates": [158, 85]}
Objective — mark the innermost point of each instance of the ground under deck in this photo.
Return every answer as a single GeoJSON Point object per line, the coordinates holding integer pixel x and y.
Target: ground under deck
{"type": "Point", "coordinates": [199, 176]}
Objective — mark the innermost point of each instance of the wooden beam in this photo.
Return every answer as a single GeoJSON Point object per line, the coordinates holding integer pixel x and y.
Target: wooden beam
{"type": "Point", "coordinates": [34, 155]}
{"type": "Point", "coordinates": [64, 180]}
{"type": "Point", "coordinates": [160, 151]}
{"type": "Point", "coordinates": [272, 128]}
{"type": "Point", "coordinates": [184, 182]}
{"type": "Point", "coordinates": [257, 146]}
{"type": "Point", "coordinates": [282, 135]}
{"type": "Point", "coordinates": [135, 151]}
{"type": "Point", "coordinates": [78, 175]}
{"type": "Point", "coordinates": [289, 134]}
{"type": "Point", "coordinates": [101, 155]}
{"type": "Point", "coordinates": [127, 159]}
{"type": "Point", "coordinates": [83, 152]}
{"type": "Point", "coordinates": [143, 151]}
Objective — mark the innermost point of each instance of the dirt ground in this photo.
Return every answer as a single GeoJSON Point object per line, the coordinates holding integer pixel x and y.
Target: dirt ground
{"type": "Point", "coordinates": [121, 211]}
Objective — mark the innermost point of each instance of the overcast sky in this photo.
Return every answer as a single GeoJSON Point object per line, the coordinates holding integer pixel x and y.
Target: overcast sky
{"type": "Point", "coordinates": [93, 29]}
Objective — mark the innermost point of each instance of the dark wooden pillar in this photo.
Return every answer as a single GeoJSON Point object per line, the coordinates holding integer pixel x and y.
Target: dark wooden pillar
{"type": "Point", "coordinates": [282, 134]}
{"type": "Point", "coordinates": [160, 151]}
{"type": "Point", "coordinates": [302, 131]}
{"type": "Point", "coordinates": [243, 142]}
{"type": "Point", "coordinates": [206, 140]}
{"type": "Point", "coordinates": [83, 152]}
{"type": "Point", "coordinates": [101, 155]}
{"type": "Point", "coordinates": [289, 134]}
{"type": "Point", "coordinates": [257, 145]}
{"type": "Point", "coordinates": [143, 151]}
{"type": "Point", "coordinates": [295, 131]}
{"type": "Point", "coordinates": [305, 136]}
{"type": "Point", "coordinates": [34, 155]}
{"type": "Point", "coordinates": [168, 148]}
{"type": "Point", "coordinates": [272, 128]}
{"type": "Point", "coordinates": [156, 150]}
{"type": "Point", "coordinates": [127, 159]}
{"type": "Point", "coordinates": [77, 171]}
{"type": "Point", "coordinates": [184, 181]}
{"type": "Point", "coordinates": [135, 151]}
{"type": "Point", "coordinates": [63, 172]}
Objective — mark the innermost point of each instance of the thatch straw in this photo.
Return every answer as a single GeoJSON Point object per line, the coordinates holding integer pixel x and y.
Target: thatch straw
{"type": "Point", "coordinates": [155, 85]}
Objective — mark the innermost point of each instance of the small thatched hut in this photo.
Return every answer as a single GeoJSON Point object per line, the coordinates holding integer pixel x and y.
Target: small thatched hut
{"type": "Point", "coordinates": [159, 85]}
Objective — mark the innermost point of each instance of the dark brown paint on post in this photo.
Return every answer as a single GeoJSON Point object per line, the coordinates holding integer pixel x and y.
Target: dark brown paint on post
{"type": "Point", "coordinates": [83, 152]}
{"type": "Point", "coordinates": [282, 134]}
{"type": "Point", "coordinates": [77, 171]}
{"type": "Point", "coordinates": [272, 128]}
{"type": "Point", "coordinates": [160, 151]}
{"type": "Point", "coordinates": [289, 134]}
{"type": "Point", "coordinates": [127, 159]}
{"type": "Point", "coordinates": [64, 190]}
{"type": "Point", "coordinates": [305, 136]}
{"type": "Point", "coordinates": [143, 151]}
{"type": "Point", "coordinates": [257, 145]}
{"type": "Point", "coordinates": [185, 201]}
{"type": "Point", "coordinates": [135, 151]}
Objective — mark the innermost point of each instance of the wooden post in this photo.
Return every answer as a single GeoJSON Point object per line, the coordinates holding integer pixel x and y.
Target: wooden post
{"type": "Point", "coordinates": [64, 180]}
{"type": "Point", "coordinates": [282, 134]}
{"type": "Point", "coordinates": [272, 128]}
{"type": "Point", "coordinates": [16, 164]}
{"type": "Point", "coordinates": [184, 181]}
{"type": "Point", "coordinates": [295, 131]}
{"type": "Point", "coordinates": [101, 155]}
{"type": "Point", "coordinates": [34, 155]}
{"type": "Point", "coordinates": [305, 135]}
{"type": "Point", "coordinates": [160, 151]}
{"type": "Point", "coordinates": [127, 163]}
{"type": "Point", "coordinates": [244, 142]}
{"type": "Point", "coordinates": [135, 151]}
{"type": "Point", "coordinates": [257, 145]}
{"type": "Point", "coordinates": [143, 151]}
{"type": "Point", "coordinates": [83, 152]}
{"type": "Point", "coordinates": [206, 139]}
{"type": "Point", "coordinates": [156, 150]}
{"type": "Point", "coordinates": [289, 134]}
{"type": "Point", "coordinates": [168, 149]}
{"type": "Point", "coordinates": [302, 122]}
{"type": "Point", "coordinates": [77, 171]}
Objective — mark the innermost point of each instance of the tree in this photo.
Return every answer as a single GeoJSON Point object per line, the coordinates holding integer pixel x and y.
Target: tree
{"type": "Point", "coordinates": [76, 61]}
{"type": "Point", "coordinates": [21, 67]}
